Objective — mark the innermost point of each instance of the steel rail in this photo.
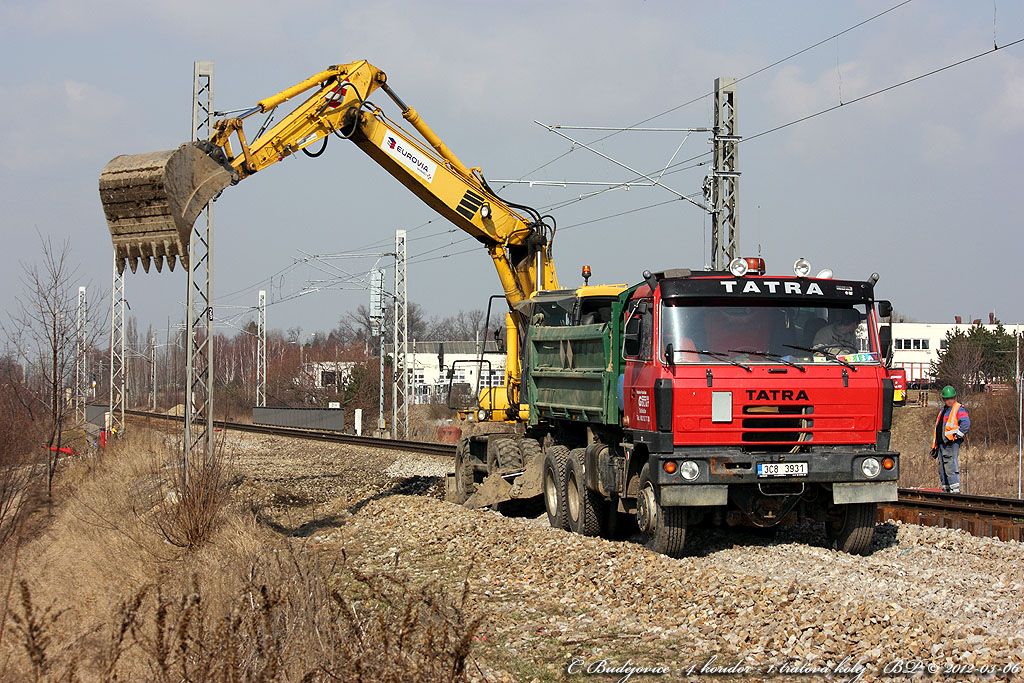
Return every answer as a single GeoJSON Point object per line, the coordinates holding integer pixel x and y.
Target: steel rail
{"type": "Point", "coordinates": [985, 516]}
{"type": "Point", "coordinates": [429, 448]}
{"type": "Point", "coordinates": [1010, 508]}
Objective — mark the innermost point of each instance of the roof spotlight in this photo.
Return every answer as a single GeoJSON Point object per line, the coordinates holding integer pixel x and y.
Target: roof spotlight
{"type": "Point", "coordinates": [824, 274]}
{"type": "Point", "coordinates": [802, 267]}
{"type": "Point", "coordinates": [738, 267]}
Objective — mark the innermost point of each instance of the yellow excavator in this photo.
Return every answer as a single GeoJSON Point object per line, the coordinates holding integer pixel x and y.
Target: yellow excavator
{"type": "Point", "coordinates": [152, 200]}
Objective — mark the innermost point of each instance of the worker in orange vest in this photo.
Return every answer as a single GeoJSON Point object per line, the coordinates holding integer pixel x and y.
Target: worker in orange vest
{"type": "Point", "coordinates": [951, 425]}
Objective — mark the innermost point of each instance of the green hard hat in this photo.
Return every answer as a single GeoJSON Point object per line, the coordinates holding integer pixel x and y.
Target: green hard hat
{"type": "Point", "coordinates": [948, 392]}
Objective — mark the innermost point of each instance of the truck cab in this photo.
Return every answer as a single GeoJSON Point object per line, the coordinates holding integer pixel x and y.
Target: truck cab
{"type": "Point", "coordinates": [756, 395]}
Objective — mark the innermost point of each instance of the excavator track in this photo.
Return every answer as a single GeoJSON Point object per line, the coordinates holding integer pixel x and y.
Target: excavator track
{"type": "Point", "coordinates": [152, 200]}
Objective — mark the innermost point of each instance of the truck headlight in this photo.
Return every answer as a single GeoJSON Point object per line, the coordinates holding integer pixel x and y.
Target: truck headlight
{"type": "Point", "coordinates": [481, 415]}
{"type": "Point", "coordinates": [802, 267]}
{"type": "Point", "coordinates": [870, 468]}
{"type": "Point", "coordinates": [689, 470]}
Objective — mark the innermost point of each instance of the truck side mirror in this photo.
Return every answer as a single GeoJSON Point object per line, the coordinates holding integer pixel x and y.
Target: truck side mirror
{"type": "Point", "coordinates": [885, 339]}
{"type": "Point", "coordinates": [885, 309]}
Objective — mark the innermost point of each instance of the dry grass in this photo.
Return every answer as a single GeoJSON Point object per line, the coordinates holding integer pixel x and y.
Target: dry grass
{"type": "Point", "coordinates": [128, 582]}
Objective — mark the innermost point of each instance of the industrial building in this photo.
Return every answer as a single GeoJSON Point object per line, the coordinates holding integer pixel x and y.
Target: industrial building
{"type": "Point", "coordinates": [916, 345]}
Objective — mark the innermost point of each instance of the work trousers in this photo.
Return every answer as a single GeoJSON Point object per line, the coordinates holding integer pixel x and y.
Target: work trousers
{"type": "Point", "coordinates": [949, 467]}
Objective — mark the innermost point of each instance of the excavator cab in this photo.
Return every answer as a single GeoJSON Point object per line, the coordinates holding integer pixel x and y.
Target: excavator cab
{"type": "Point", "coordinates": [151, 201]}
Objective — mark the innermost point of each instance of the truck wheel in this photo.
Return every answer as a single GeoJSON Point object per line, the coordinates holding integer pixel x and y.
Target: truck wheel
{"type": "Point", "coordinates": [554, 486]}
{"type": "Point", "coordinates": [851, 527]}
{"type": "Point", "coordinates": [585, 509]}
{"type": "Point", "coordinates": [530, 449]}
{"type": "Point", "coordinates": [503, 455]}
{"type": "Point", "coordinates": [663, 528]}
{"type": "Point", "coordinates": [465, 477]}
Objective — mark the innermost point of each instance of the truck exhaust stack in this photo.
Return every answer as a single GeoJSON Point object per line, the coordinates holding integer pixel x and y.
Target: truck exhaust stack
{"type": "Point", "coordinates": [151, 201]}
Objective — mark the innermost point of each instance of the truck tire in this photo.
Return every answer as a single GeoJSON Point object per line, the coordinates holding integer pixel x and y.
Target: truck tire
{"type": "Point", "coordinates": [465, 477]}
{"type": "Point", "coordinates": [555, 459]}
{"type": "Point", "coordinates": [663, 528]}
{"type": "Point", "coordinates": [585, 509]}
{"type": "Point", "coordinates": [530, 449]}
{"type": "Point", "coordinates": [852, 527]}
{"type": "Point", "coordinates": [503, 455]}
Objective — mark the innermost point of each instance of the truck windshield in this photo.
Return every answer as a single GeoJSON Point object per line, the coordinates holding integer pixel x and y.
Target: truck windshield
{"type": "Point", "coordinates": [764, 331]}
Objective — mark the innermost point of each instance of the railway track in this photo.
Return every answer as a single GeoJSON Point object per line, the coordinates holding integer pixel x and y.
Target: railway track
{"type": "Point", "coordinates": [429, 448]}
{"type": "Point", "coordinates": [986, 516]}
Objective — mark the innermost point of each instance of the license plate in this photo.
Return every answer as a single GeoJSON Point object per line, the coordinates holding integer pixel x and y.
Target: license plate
{"type": "Point", "coordinates": [782, 469]}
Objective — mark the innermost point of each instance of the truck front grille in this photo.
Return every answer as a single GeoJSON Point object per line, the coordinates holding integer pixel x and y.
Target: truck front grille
{"type": "Point", "coordinates": [777, 425]}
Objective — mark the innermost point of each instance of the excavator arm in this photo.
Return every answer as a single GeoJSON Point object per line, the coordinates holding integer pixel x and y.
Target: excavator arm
{"type": "Point", "coordinates": [151, 200]}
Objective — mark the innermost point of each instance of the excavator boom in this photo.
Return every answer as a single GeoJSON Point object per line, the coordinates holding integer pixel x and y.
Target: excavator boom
{"type": "Point", "coordinates": [151, 200]}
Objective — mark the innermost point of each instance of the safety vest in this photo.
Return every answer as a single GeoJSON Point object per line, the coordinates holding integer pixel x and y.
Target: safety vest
{"type": "Point", "coordinates": [951, 426]}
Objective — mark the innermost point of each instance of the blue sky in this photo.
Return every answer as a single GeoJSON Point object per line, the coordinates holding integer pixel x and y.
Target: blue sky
{"type": "Point", "coordinates": [921, 184]}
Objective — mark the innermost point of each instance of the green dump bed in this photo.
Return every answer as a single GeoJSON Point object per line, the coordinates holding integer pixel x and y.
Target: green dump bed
{"type": "Point", "coordinates": [572, 373]}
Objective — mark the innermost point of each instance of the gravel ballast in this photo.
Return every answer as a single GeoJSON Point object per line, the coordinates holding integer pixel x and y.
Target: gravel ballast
{"type": "Point", "coordinates": [555, 602]}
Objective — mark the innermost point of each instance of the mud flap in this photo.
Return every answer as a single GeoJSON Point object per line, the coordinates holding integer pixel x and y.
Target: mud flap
{"type": "Point", "coordinates": [152, 200]}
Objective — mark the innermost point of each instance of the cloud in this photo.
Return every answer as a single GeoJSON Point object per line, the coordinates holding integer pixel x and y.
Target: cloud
{"type": "Point", "coordinates": [941, 142]}
{"type": "Point", "coordinates": [55, 123]}
{"type": "Point", "coordinates": [1006, 111]}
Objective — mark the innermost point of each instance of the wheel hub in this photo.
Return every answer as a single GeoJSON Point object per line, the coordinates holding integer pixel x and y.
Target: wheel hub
{"type": "Point", "coordinates": [646, 510]}
{"type": "Point", "coordinates": [550, 491]}
{"type": "Point", "coordinates": [573, 498]}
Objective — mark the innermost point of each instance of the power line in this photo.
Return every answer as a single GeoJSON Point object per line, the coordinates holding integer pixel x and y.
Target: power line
{"type": "Point", "coordinates": [742, 78]}
{"type": "Point", "coordinates": [558, 205]}
{"type": "Point", "coordinates": [567, 227]}
{"type": "Point", "coordinates": [672, 168]}
{"type": "Point", "coordinates": [686, 164]}
{"type": "Point", "coordinates": [883, 90]}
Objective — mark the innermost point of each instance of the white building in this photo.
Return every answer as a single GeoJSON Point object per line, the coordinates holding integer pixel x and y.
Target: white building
{"type": "Point", "coordinates": [916, 345]}
{"type": "Point", "coordinates": [326, 374]}
{"type": "Point", "coordinates": [430, 362]}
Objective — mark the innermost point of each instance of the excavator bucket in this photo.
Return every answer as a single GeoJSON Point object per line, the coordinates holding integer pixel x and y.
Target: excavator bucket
{"type": "Point", "coordinates": [151, 201]}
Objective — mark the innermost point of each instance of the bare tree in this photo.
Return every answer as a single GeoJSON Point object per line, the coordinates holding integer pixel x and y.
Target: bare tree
{"type": "Point", "coordinates": [43, 328]}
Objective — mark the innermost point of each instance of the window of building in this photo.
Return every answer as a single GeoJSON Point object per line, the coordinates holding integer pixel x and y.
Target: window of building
{"type": "Point", "coordinates": [943, 344]}
{"type": "Point", "coordinates": [917, 344]}
{"type": "Point", "coordinates": [924, 344]}
{"type": "Point", "coordinates": [899, 344]}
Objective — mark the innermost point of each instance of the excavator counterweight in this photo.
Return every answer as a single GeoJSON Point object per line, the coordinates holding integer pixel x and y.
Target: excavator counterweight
{"type": "Point", "coordinates": [152, 200]}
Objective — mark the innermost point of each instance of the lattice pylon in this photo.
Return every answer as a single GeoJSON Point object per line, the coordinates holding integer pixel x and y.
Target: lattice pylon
{"type": "Point", "coordinates": [261, 350]}
{"type": "Point", "coordinates": [400, 387]}
{"type": "Point", "coordinates": [117, 353]}
{"type": "Point", "coordinates": [81, 357]}
{"type": "Point", "coordinates": [725, 177]}
{"type": "Point", "coordinates": [198, 432]}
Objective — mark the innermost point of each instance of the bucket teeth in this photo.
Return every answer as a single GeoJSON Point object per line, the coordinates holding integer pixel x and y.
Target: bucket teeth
{"type": "Point", "coordinates": [151, 200]}
{"type": "Point", "coordinates": [170, 262]}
